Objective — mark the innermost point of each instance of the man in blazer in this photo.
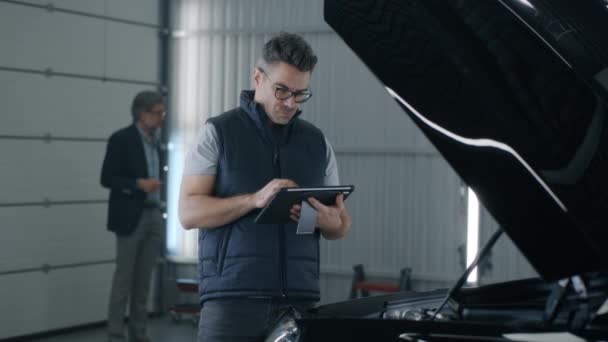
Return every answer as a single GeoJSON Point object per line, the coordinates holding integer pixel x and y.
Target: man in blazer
{"type": "Point", "coordinates": [132, 170]}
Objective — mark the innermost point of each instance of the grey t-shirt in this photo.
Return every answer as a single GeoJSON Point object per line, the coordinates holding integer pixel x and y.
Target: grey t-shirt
{"type": "Point", "coordinates": [203, 157]}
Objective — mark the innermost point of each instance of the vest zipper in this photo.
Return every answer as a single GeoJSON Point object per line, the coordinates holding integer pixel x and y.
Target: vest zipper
{"type": "Point", "coordinates": [283, 264]}
{"type": "Point", "coordinates": [223, 248]}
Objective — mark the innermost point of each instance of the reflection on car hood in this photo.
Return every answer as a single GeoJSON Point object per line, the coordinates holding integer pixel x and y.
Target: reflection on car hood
{"type": "Point", "coordinates": [513, 93]}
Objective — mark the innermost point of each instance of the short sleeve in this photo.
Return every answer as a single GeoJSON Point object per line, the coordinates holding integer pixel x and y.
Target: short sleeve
{"type": "Point", "coordinates": [202, 158]}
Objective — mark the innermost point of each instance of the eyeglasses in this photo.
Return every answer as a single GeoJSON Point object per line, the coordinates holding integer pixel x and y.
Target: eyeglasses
{"type": "Point", "coordinates": [282, 93]}
{"type": "Point", "coordinates": [161, 113]}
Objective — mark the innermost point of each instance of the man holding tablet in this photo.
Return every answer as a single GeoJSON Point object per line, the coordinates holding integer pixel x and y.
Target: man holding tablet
{"type": "Point", "coordinates": [250, 273]}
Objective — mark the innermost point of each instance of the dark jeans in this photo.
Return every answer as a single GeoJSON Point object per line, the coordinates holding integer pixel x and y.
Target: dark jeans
{"type": "Point", "coordinates": [243, 319]}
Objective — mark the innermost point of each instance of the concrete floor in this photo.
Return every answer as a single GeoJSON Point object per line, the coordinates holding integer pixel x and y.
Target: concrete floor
{"type": "Point", "coordinates": [160, 329]}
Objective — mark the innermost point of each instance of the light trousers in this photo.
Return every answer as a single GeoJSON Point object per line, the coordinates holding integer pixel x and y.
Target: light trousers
{"type": "Point", "coordinates": [136, 255]}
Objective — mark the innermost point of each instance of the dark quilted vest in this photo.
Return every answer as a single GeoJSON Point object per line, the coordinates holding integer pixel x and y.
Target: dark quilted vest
{"type": "Point", "coordinates": [244, 259]}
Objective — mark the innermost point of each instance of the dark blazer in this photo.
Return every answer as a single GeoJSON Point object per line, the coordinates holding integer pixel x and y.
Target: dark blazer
{"type": "Point", "coordinates": [124, 162]}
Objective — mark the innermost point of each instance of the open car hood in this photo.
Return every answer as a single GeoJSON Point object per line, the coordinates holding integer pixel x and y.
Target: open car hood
{"type": "Point", "coordinates": [513, 94]}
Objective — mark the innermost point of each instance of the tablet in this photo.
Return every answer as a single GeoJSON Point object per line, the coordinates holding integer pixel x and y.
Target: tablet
{"type": "Point", "coordinates": [277, 210]}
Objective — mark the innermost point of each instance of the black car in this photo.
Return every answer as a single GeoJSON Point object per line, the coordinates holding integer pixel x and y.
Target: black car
{"type": "Point", "coordinates": [514, 95]}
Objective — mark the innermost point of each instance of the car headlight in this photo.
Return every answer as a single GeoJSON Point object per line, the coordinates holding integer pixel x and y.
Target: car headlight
{"type": "Point", "coordinates": [286, 329]}
{"type": "Point", "coordinates": [415, 314]}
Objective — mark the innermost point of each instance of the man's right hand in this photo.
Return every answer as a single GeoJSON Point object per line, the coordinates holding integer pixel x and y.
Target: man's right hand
{"type": "Point", "coordinates": [148, 184]}
{"type": "Point", "coordinates": [262, 197]}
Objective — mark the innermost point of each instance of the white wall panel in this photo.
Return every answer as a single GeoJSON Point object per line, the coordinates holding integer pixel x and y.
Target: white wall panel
{"type": "Point", "coordinates": [351, 105]}
{"type": "Point", "coordinates": [49, 40]}
{"type": "Point", "coordinates": [132, 52]}
{"type": "Point", "coordinates": [61, 171]}
{"type": "Point", "coordinates": [36, 302]}
{"type": "Point", "coordinates": [57, 235]}
{"type": "Point", "coordinates": [69, 106]}
{"type": "Point", "coordinates": [231, 16]}
{"type": "Point", "coordinates": [145, 11]}
{"type": "Point", "coordinates": [87, 6]}
{"type": "Point", "coordinates": [97, 48]}
{"type": "Point", "coordinates": [64, 107]}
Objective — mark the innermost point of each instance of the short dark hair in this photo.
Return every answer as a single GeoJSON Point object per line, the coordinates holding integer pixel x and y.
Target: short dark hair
{"type": "Point", "coordinates": [289, 48]}
{"type": "Point", "coordinates": [144, 101]}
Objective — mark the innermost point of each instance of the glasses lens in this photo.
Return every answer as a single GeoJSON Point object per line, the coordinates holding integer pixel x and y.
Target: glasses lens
{"type": "Point", "coordinates": [282, 94]}
{"type": "Point", "coordinates": [302, 97]}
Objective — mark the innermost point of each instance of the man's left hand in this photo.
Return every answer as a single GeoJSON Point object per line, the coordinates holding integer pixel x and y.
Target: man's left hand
{"type": "Point", "coordinates": [329, 218]}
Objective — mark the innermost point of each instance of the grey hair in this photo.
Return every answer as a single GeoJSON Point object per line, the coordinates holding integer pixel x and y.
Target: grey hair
{"type": "Point", "coordinates": [289, 48]}
{"type": "Point", "coordinates": [144, 101]}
